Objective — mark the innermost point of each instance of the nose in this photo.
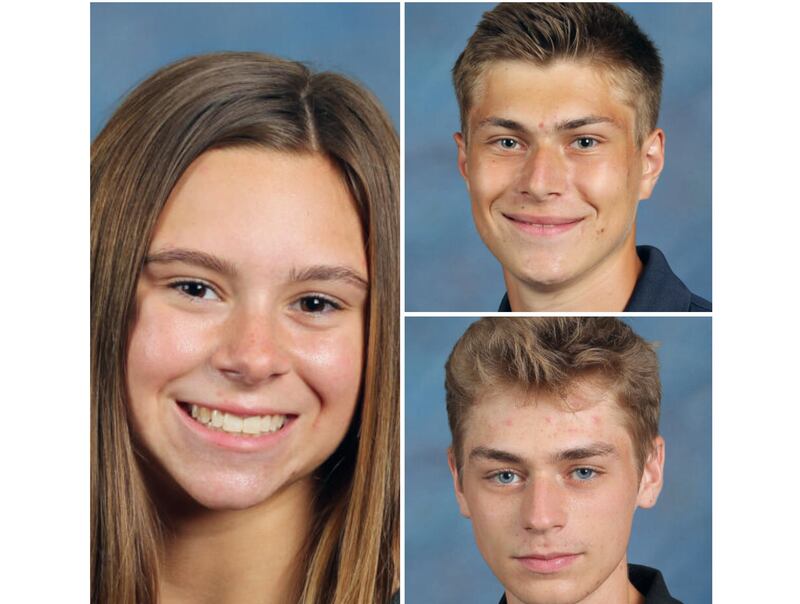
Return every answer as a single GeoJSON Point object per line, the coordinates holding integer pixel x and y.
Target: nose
{"type": "Point", "coordinates": [544, 506]}
{"type": "Point", "coordinates": [252, 348]}
{"type": "Point", "coordinates": [544, 173]}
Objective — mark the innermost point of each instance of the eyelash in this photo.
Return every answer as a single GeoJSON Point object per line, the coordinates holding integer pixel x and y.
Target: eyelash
{"type": "Point", "coordinates": [494, 477]}
{"type": "Point", "coordinates": [594, 474]}
{"type": "Point", "coordinates": [329, 304]}
{"type": "Point", "coordinates": [499, 143]}
{"type": "Point", "coordinates": [516, 144]}
{"type": "Point", "coordinates": [594, 141]}
{"type": "Point", "coordinates": [180, 286]}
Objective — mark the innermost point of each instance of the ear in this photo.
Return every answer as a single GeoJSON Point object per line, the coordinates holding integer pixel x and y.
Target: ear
{"type": "Point", "coordinates": [652, 162]}
{"type": "Point", "coordinates": [461, 143]}
{"type": "Point", "coordinates": [462, 501]}
{"type": "Point", "coordinates": [652, 475]}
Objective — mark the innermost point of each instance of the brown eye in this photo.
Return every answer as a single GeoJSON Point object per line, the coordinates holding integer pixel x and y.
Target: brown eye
{"type": "Point", "coordinates": [317, 304]}
{"type": "Point", "coordinates": [195, 289]}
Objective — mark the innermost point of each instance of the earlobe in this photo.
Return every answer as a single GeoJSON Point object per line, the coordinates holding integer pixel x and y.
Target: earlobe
{"type": "Point", "coordinates": [652, 162]}
{"type": "Point", "coordinates": [462, 501]}
{"type": "Point", "coordinates": [652, 475]}
{"type": "Point", "coordinates": [462, 156]}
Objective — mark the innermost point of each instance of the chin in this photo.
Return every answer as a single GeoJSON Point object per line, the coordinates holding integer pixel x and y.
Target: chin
{"type": "Point", "coordinates": [231, 492]}
{"type": "Point", "coordinates": [549, 594]}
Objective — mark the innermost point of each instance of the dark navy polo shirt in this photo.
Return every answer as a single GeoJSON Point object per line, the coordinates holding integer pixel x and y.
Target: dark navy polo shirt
{"type": "Point", "coordinates": [648, 582]}
{"type": "Point", "coordinates": [658, 289]}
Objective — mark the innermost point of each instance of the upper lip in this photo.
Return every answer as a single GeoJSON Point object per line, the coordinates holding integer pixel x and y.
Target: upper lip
{"type": "Point", "coordinates": [547, 555]}
{"type": "Point", "coordinates": [236, 408]}
{"type": "Point", "coordinates": [550, 220]}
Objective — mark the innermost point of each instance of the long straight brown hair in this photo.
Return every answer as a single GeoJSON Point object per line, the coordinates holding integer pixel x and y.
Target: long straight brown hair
{"type": "Point", "coordinates": [228, 100]}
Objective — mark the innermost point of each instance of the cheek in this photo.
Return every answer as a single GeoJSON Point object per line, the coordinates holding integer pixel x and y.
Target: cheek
{"type": "Point", "coordinates": [494, 520]}
{"type": "Point", "coordinates": [488, 179]}
{"type": "Point", "coordinates": [332, 366]}
{"type": "Point", "coordinates": [163, 346]}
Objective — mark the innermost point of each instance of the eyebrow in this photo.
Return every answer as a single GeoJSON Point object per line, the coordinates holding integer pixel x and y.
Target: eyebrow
{"type": "Point", "coordinates": [323, 272]}
{"type": "Point", "coordinates": [501, 122]}
{"type": "Point", "coordinates": [597, 449]}
{"type": "Point", "coordinates": [193, 257]}
{"type": "Point", "coordinates": [588, 120]}
{"type": "Point", "coordinates": [564, 125]}
{"type": "Point", "coordinates": [489, 454]}
{"type": "Point", "coordinates": [208, 261]}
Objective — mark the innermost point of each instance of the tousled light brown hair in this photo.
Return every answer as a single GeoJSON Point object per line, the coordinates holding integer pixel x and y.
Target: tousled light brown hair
{"type": "Point", "coordinates": [253, 100]}
{"type": "Point", "coordinates": [541, 33]}
{"type": "Point", "coordinates": [552, 354]}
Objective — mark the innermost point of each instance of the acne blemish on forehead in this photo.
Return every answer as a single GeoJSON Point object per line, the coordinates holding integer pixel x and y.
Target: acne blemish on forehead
{"type": "Point", "coordinates": [548, 419]}
{"type": "Point", "coordinates": [541, 125]}
{"type": "Point", "coordinates": [596, 420]}
{"type": "Point", "coordinates": [508, 422]}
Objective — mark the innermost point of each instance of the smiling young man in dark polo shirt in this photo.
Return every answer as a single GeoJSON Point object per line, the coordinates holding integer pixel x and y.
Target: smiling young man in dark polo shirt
{"type": "Point", "coordinates": [555, 445]}
{"type": "Point", "coordinates": [559, 104]}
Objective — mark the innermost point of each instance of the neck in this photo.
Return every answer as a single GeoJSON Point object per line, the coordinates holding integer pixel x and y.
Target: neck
{"type": "Point", "coordinates": [606, 286]}
{"type": "Point", "coordinates": [228, 556]}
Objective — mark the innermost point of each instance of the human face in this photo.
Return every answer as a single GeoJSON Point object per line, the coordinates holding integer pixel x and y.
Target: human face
{"type": "Point", "coordinates": [250, 305]}
{"type": "Point", "coordinates": [554, 171]}
{"type": "Point", "coordinates": [551, 487]}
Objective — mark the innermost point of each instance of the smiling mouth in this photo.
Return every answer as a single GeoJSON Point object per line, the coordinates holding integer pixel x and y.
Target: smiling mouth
{"type": "Point", "coordinates": [254, 425]}
{"type": "Point", "coordinates": [542, 225]}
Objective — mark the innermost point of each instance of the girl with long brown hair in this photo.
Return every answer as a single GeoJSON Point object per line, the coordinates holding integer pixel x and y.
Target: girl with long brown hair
{"type": "Point", "coordinates": [245, 378]}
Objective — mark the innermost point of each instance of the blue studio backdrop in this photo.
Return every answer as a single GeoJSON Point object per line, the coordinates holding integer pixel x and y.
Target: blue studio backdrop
{"type": "Point", "coordinates": [131, 41]}
{"type": "Point", "coordinates": [443, 564]}
{"type": "Point", "coordinates": [447, 266]}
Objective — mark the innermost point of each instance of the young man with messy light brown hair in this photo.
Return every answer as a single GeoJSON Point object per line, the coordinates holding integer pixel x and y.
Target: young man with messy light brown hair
{"type": "Point", "coordinates": [555, 445]}
{"type": "Point", "coordinates": [559, 142]}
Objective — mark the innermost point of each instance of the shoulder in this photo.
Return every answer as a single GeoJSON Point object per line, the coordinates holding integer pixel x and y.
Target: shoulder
{"type": "Point", "coordinates": [658, 289]}
{"type": "Point", "coordinates": [650, 583]}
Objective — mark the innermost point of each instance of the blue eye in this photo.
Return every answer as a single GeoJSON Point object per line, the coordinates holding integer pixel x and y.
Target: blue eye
{"type": "Point", "coordinates": [195, 289]}
{"type": "Point", "coordinates": [505, 477]}
{"type": "Point", "coordinates": [584, 474]}
{"type": "Point", "coordinates": [508, 143]}
{"type": "Point", "coordinates": [585, 142]}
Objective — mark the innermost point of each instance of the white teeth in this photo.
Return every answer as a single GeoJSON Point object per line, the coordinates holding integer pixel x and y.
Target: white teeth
{"type": "Point", "coordinates": [232, 423]}
{"type": "Point", "coordinates": [251, 425]}
{"type": "Point", "coordinates": [254, 425]}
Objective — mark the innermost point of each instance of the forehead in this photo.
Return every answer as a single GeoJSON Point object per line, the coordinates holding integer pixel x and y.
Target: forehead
{"type": "Point", "coordinates": [259, 201]}
{"type": "Point", "coordinates": [558, 91]}
{"type": "Point", "coordinates": [536, 425]}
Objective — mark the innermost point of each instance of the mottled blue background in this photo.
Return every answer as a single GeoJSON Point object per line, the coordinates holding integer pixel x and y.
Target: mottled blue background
{"type": "Point", "coordinates": [447, 266]}
{"type": "Point", "coordinates": [131, 41]}
{"type": "Point", "coordinates": [443, 565]}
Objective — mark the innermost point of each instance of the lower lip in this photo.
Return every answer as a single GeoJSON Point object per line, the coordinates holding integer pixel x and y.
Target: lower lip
{"type": "Point", "coordinates": [548, 565]}
{"type": "Point", "coordinates": [541, 230]}
{"type": "Point", "coordinates": [235, 442]}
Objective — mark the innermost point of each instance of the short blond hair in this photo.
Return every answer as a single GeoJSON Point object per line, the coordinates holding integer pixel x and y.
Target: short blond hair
{"type": "Point", "coordinates": [550, 354]}
{"type": "Point", "coordinates": [600, 33]}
